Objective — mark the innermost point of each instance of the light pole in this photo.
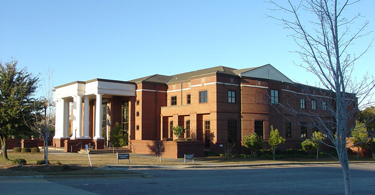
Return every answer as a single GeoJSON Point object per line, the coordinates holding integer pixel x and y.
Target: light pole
{"type": "Point", "coordinates": [46, 133]}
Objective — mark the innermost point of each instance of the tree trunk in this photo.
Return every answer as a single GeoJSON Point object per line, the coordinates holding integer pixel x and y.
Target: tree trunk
{"type": "Point", "coordinates": [358, 153]}
{"type": "Point", "coordinates": [343, 157]}
{"type": "Point", "coordinates": [46, 151]}
{"type": "Point", "coordinates": [273, 153]}
{"type": "Point", "coordinates": [317, 153]}
{"type": "Point", "coordinates": [4, 148]}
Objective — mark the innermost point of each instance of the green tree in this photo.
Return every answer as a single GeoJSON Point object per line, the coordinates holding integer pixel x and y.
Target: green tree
{"type": "Point", "coordinates": [309, 146]}
{"type": "Point", "coordinates": [118, 137]}
{"type": "Point", "coordinates": [360, 136]}
{"type": "Point", "coordinates": [16, 89]}
{"type": "Point", "coordinates": [274, 140]}
{"type": "Point", "coordinates": [317, 138]}
{"type": "Point", "coordinates": [254, 143]}
{"type": "Point", "coordinates": [178, 131]}
{"type": "Point", "coordinates": [367, 116]}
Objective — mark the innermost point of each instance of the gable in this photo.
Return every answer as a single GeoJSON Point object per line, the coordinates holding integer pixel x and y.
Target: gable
{"type": "Point", "coordinates": [266, 72]}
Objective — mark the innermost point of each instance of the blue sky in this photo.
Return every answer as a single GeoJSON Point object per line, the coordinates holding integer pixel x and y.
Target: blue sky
{"type": "Point", "coordinates": [124, 40]}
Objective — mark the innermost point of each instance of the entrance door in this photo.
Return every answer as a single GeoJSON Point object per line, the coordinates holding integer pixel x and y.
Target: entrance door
{"type": "Point", "coordinates": [105, 123]}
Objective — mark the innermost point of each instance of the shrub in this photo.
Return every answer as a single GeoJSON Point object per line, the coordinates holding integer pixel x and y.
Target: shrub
{"type": "Point", "coordinates": [41, 162]}
{"type": "Point", "coordinates": [17, 149]}
{"type": "Point", "coordinates": [19, 161]}
{"type": "Point", "coordinates": [254, 143]}
{"type": "Point", "coordinates": [178, 131]}
{"type": "Point", "coordinates": [35, 150]}
{"type": "Point", "coordinates": [25, 150]}
{"type": "Point", "coordinates": [309, 146]}
{"type": "Point", "coordinates": [118, 136]}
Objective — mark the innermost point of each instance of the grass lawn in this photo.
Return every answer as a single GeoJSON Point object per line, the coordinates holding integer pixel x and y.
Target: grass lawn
{"type": "Point", "coordinates": [78, 164]}
{"type": "Point", "coordinates": [70, 164]}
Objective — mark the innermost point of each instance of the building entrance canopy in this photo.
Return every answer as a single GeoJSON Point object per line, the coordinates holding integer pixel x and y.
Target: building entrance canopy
{"type": "Point", "coordinates": [80, 93]}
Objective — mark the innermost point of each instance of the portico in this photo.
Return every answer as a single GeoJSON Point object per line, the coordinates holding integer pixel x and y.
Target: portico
{"type": "Point", "coordinates": [83, 109]}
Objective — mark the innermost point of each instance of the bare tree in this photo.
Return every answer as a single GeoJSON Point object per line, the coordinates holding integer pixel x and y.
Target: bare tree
{"type": "Point", "coordinates": [43, 116]}
{"type": "Point", "coordinates": [324, 43]}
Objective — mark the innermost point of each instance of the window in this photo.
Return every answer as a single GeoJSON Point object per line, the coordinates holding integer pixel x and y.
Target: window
{"type": "Point", "coordinates": [324, 105]}
{"type": "Point", "coordinates": [137, 102]}
{"type": "Point", "coordinates": [274, 96]}
{"type": "Point", "coordinates": [207, 136]}
{"type": "Point", "coordinates": [187, 128]}
{"type": "Point", "coordinates": [313, 105]}
{"type": "Point", "coordinates": [171, 129]}
{"type": "Point", "coordinates": [137, 113]}
{"type": "Point", "coordinates": [232, 131]}
{"type": "Point", "coordinates": [188, 99]}
{"type": "Point", "coordinates": [259, 128]}
{"type": "Point", "coordinates": [315, 128]}
{"type": "Point", "coordinates": [174, 100]}
{"type": "Point", "coordinates": [231, 97]}
{"type": "Point", "coordinates": [137, 127]}
{"type": "Point", "coordinates": [303, 130]}
{"type": "Point", "coordinates": [202, 96]}
{"type": "Point", "coordinates": [125, 117]}
{"type": "Point", "coordinates": [288, 129]}
{"type": "Point", "coordinates": [302, 103]}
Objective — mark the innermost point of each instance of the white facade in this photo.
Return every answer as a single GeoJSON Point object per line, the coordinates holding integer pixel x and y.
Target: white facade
{"type": "Point", "coordinates": [80, 93]}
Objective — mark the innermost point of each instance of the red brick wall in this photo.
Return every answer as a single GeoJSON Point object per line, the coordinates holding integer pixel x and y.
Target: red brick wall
{"type": "Point", "coordinates": [172, 149]}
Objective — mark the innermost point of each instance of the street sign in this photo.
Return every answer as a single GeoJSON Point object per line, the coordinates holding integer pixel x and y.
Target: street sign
{"type": "Point", "coordinates": [123, 156]}
{"type": "Point", "coordinates": [188, 157]}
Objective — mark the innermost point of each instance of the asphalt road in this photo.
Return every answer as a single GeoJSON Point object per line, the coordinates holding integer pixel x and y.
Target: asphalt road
{"type": "Point", "coordinates": [286, 179]}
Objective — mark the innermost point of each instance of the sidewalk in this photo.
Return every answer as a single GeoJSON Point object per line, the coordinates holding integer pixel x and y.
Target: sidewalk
{"type": "Point", "coordinates": [207, 165]}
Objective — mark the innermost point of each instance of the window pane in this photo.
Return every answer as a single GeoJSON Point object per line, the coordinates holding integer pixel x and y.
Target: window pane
{"type": "Point", "coordinates": [187, 128]}
{"type": "Point", "coordinates": [274, 96]}
{"type": "Point", "coordinates": [288, 129]}
{"type": "Point", "coordinates": [203, 96]}
{"type": "Point", "coordinates": [259, 128]}
{"type": "Point", "coordinates": [313, 105]}
{"type": "Point", "coordinates": [231, 97]}
{"type": "Point", "coordinates": [188, 99]}
{"type": "Point", "coordinates": [232, 131]}
{"type": "Point", "coordinates": [174, 100]}
{"type": "Point", "coordinates": [303, 130]}
{"type": "Point", "coordinates": [302, 102]}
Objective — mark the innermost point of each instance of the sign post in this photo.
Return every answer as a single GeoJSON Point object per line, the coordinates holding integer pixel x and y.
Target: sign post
{"type": "Point", "coordinates": [123, 156]}
{"type": "Point", "coordinates": [88, 153]}
{"type": "Point", "coordinates": [188, 157]}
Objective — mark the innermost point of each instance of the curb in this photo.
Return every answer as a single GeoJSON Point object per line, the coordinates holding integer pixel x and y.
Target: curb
{"type": "Point", "coordinates": [174, 167]}
{"type": "Point", "coordinates": [70, 177]}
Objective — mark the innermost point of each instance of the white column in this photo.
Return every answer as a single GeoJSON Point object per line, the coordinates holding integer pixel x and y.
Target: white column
{"type": "Point", "coordinates": [66, 118]}
{"type": "Point", "coordinates": [98, 117]}
{"type": "Point", "coordinates": [59, 123]}
{"type": "Point", "coordinates": [77, 117]}
{"type": "Point", "coordinates": [86, 121]}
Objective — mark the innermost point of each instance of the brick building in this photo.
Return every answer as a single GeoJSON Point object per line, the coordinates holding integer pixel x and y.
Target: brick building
{"type": "Point", "coordinates": [215, 105]}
